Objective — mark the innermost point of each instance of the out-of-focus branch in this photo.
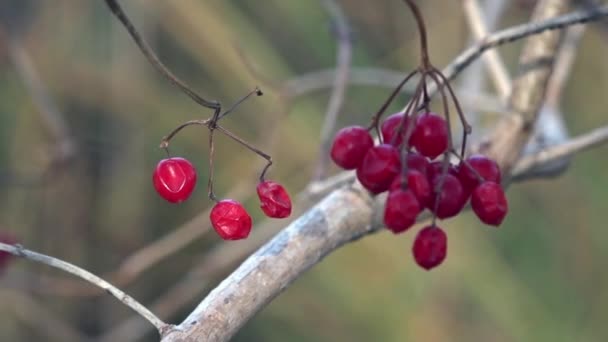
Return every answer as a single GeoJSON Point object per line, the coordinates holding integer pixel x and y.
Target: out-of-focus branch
{"type": "Point", "coordinates": [494, 63]}
{"type": "Point", "coordinates": [47, 108]}
{"type": "Point", "coordinates": [343, 66]}
{"type": "Point", "coordinates": [85, 275]}
{"type": "Point", "coordinates": [524, 167]}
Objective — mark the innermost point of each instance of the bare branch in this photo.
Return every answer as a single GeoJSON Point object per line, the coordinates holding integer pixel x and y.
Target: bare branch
{"type": "Point", "coordinates": [494, 63]}
{"type": "Point", "coordinates": [19, 251]}
{"type": "Point", "coordinates": [525, 167]}
{"type": "Point", "coordinates": [343, 65]}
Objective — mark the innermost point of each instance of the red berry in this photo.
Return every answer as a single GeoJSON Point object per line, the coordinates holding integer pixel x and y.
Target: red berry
{"type": "Point", "coordinates": [452, 197]}
{"type": "Point", "coordinates": [400, 210]}
{"type": "Point", "coordinates": [416, 161]}
{"type": "Point", "coordinates": [430, 136]}
{"type": "Point", "coordinates": [418, 184]}
{"type": "Point", "coordinates": [350, 146]}
{"type": "Point", "coordinates": [485, 167]}
{"type": "Point", "coordinates": [390, 127]}
{"type": "Point", "coordinates": [174, 179]}
{"type": "Point", "coordinates": [230, 220]}
{"type": "Point", "coordinates": [489, 203]}
{"type": "Point", "coordinates": [379, 167]}
{"type": "Point", "coordinates": [435, 168]}
{"type": "Point", "coordinates": [430, 247]}
{"type": "Point", "coordinates": [275, 201]}
{"type": "Point", "coordinates": [6, 257]}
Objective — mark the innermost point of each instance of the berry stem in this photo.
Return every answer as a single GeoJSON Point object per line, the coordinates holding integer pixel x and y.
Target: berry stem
{"type": "Point", "coordinates": [425, 63]}
{"type": "Point", "coordinates": [466, 128]}
{"type": "Point", "coordinates": [210, 180]}
{"type": "Point", "coordinates": [378, 115]}
{"type": "Point", "coordinates": [256, 91]}
{"type": "Point", "coordinates": [250, 147]}
{"type": "Point", "coordinates": [164, 143]}
{"type": "Point", "coordinates": [468, 165]}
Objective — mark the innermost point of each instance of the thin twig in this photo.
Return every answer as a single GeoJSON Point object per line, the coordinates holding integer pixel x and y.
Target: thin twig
{"type": "Point", "coordinates": [19, 251]}
{"type": "Point", "coordinates": [154, 60]}
{"type": "Point", "coordinates": [551, 154]}
{"type": "Point", "coordinates": [494, 63]}
{"type": "Point", "coordinates": [341, 81]}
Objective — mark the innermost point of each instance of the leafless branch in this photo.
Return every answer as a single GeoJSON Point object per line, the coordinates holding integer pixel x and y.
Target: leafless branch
{"type": "Point", "coordinates": [494, 63]}
{"type": "Point", "coordinates": [19, 251]}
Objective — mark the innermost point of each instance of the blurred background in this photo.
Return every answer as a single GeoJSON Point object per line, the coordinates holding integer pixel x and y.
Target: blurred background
{"type": "Point", "coordinates": [82, 114]}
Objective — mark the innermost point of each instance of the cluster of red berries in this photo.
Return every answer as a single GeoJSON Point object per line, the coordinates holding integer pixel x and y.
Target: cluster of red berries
{"type": "Point", "coordinates": [175, 179]}
{"type": "Point", "coordinates": [415, 180]}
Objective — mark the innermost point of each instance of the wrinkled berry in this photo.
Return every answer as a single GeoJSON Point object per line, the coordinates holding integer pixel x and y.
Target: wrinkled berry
{"type": "Point", "coordinates": [418, 184]}
{"type": "Point", "coordinates": [484, 166]}
{"type": "Point", "coordinates": [430, 247]}
{"type": "Point", "coordinates": [400, 210]}
{"type": "Point", "coordinates": [430, 136]}
{"type": "Point", "coordinates": [350, 146]}
{"type": "Point", "coordinates": [489, 203]}
{"type": "Point", "coordinates": [174, 179]}
{"type": "Point", "coordinates": [275, 201]}
{"type": "Point", "coordinates": [452, 197]}
{"type": "Point", "coordinates": [379, 167]}
{"type": "Point", "coordinates": [230, 220]}
{"type": "Point", "coordinates": [390, 127]}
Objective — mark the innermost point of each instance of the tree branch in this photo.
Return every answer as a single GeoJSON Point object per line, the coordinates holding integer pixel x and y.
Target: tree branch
{"type": "Point", "coordinates": [19, 251]}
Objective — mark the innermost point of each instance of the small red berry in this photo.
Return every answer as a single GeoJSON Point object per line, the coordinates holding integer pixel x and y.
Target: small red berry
{"type": "Point", "coordinates": [400, 210]}
{"type": "Point", "coordinates": [230, 220]}
{"type": "Point", "coordinates": [275, 201]}
{"type": "Point", "coordinates": [430, 247]}
{"type": "Point", "coordinates": [484, 166]}
{"type": "Point", "coordinates": [418, 184]}
{"type": "Point", "coordinates": [174, 179]}
{"type": "Point", "coordinates": [452, 197]}
{"type": "Point", "coordinates": [416, 161]}
{"type": "Point", "coordinates": [379, 167]}
{"type": "Point", "coordinates": [390, 127]}
{"type": "Point", "coordinates": [489, 203]}
{"type": "Point", "coordinates": [350, 146]}
{"type": "Point", "coordinates": [430, 136]}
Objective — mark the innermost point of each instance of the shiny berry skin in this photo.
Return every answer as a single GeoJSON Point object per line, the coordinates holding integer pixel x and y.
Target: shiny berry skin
{"type": "Point", "coordinates": [452, 197]}
{"type": "Point", "coordinates": [430, 247]}
{"type": "Point", "coordinates": [485, 167]}
{"type": "Point", "coordinates": [400, 210]}
{"type": "Point", "coordinates": [350, 146]}
{"type": "Point", "coordinates": [489, 203]}
{"type": "Point", "coordinates": [416, 161]}
{"type": "Point", "coordinates": [390, 127]}
{"type": "Point", "coordinates": [379, 167]}
{"type": "Point", "coordinates": [275, 201]}
{"type": "Point", "coordinates": [430, 136]}
{"type": "Point", "coordinates": [230, 220]}
{"type": "Point", "coordinates": [6, 257]}
{"type": "Point", "coordinates": [174, 179]}
{"type": "Point", "coordinates": [418, 184]}
{"type": "Point", "coordinates": [435, 168]}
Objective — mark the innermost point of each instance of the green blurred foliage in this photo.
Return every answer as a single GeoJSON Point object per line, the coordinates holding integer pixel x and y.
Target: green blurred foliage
{"type": "Point", "coordinates": [540, 277]}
